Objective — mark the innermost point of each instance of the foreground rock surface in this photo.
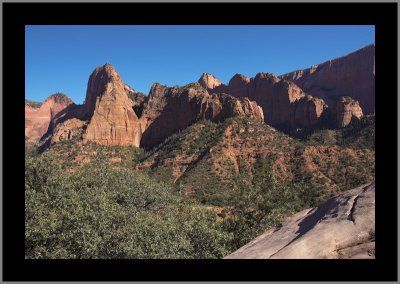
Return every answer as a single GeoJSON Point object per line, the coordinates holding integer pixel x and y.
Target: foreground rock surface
{"type": "Point", "coordinates": [343, 227]}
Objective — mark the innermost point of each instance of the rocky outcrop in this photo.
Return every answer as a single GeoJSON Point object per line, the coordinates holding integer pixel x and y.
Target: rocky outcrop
{"type": "Point", "coordinates": [67, 130]}
{"type": "Point", "coordinates": [275, 96]}
{"type": "Point", "coordinates": [218, 107]}
{"type": "Point", "coordinates": [308, 112]}
{"type": "Point", "coordinates": [352, 75]}
{"type": "Point", "coordinates": [112, 118]}
{"type": "Point", "coordinates": [38, 120]}
{"type": "Point", "coordinates": [346, 110]}
{"type": "Point", "coordinates": [343, 227]}
{"type": "Point", "coordinates": [208, 81]}
{"type": "Point", "coordinates": [283, 102]}
{"type": "Point", "coordinates": [171, 109]}
{"type": "Point", "coordinates": [238, 86]}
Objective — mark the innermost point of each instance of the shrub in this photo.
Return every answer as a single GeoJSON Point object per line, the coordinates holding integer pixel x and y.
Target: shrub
{"type": "Point", "coordinates": [101, 212]}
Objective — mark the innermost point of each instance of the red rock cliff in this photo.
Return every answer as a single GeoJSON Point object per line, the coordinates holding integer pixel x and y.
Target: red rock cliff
{"type": "Point", "coordinates": [112, 119]}
{"type": "Point", "coordinates": [38, 121]}
{"type": "Point", "coordinates": [171, 109]}
{"type": "Point", "coordinates": [352, 75]}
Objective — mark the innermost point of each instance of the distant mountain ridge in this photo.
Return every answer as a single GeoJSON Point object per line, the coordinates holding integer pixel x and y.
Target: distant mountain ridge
{"type": "Point", "coordinates": [352, 75]}
{"type": "Point", "coordinates": [115, 114]}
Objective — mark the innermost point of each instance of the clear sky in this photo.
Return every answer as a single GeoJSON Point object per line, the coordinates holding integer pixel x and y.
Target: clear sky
{"type": "Point", "coordinates": [61, 58]}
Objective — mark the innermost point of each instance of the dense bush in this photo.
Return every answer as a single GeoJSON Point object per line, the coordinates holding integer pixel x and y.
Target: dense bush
{"type": "Point", "coordinates": [358, 134]}
{"type": "Point", "coordinates": [105, 212]}
{"type": "Point", "coordinates": [101, 212]}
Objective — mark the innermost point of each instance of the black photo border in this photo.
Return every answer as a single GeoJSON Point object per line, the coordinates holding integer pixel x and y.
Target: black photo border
{"type": "Point", "coordinates": [17, 15]}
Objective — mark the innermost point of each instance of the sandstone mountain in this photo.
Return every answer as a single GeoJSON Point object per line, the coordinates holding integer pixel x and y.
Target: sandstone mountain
{"type": "Point", "coordinates": [112, 119]}
{"type": "Point", "coordinates": [38, 120]}
{"type": "Point", "coordinates": [343, 227]}
{"type": "Point", "coordinates": [115, 114]}
{"type": "Point", "coordinates": [301, 99]}
{"type": "Point", "coordinates": [328, 95]}
{"type": "Point", "coordinates": [286, 105]}
{"type": "Point", "coordinates": [108, 115]}
{"type": "Point", "coordinates": [352, 75]}
{"type": "Point", "coordinates": [171, 109]}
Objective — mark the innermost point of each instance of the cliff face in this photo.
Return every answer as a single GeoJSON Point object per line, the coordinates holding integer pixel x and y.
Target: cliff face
{"type": "Point", "coordinates": [345, 110]}
{"type": "Point", "coordinates": [301, 99]}
{"type": "Point", "coordinates": [352, 75]}
{"type": "Point", "coordinates": [171, 109]}
{"type": "Point", "coordinates": [330, 94]}
{"type": "Point", "coordinates": [38, 120]}
{"type": "Point", "coordinates": [343, 227]}
{"type": "Point", "coordinates": [275, 96]}
{"type": "Point", "coordinates": [67, 130]}
{"type": "Point", "coordinates": [308, 111]}
{"type": "Point", "coordinates": [218, 107]}
{"type": "Point", "coordinates": [113, 121]}
{"type": "Point", "coordinates": [107, 117]}
{"type": "Point", "coordinates": [115, 114]}
{"type": "Point", "coordinates": [283, 102]}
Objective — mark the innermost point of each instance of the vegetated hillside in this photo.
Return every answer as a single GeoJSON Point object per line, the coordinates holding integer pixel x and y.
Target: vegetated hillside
{"type": "Point", "coordinates": [88, 201]}
{"type": "Point", "coordinates": [208, 161]}
{"type": "Point", "coordinates": [225, 182]}
{"type": "Point", "coordinates": [358, 134]}
{"type": "Point", "coordinates": [217, 177]}
{"type": "Point", "coordinates": [106, 212]}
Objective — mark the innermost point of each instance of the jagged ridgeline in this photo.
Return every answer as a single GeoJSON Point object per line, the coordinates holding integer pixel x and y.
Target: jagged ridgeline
{"type": "Point", "coordinates": [121, 174]}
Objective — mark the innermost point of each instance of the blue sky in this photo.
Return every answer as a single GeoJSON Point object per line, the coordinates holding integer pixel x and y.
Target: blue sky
{"type": "Point", "coordinates": [61, 58]}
